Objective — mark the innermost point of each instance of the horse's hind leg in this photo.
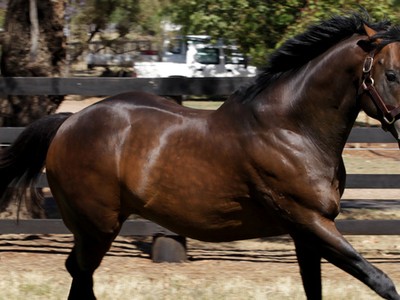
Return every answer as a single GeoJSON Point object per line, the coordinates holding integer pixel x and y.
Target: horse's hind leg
{"type": "Point", "coordinates": [310, 269]}
{"type": "Point", "coordinates": [323, 238]}
{"type": "Point", "coordinates": [82, 282]}
{"type": "Point", "coordinates": [83, 260]}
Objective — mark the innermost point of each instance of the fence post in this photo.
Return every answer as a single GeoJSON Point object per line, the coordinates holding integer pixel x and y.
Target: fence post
{"type": "Point", "coordinates": [168, 248]}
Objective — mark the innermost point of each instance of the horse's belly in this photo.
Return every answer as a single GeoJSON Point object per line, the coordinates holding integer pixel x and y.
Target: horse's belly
{"type": "Point", "coordinates": [223, 231]}
{"type": "Point", "coordinates": [216, 222]}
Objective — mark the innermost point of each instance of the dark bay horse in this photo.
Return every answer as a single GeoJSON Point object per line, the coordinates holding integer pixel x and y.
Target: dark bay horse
{"type": "Point", "coordinates": [267, 162]}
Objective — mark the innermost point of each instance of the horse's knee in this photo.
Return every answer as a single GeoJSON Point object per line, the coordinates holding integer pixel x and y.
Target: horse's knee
{"type": "Point", "coordinates": [84, 259]}
{"type": "Point", "coordinates": [74, 269]}
{"type": "Point", "coordinates": [72, 264]}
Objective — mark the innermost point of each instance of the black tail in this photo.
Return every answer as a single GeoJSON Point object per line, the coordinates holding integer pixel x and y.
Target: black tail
{"type": "Point", "coordinates": [21, 163]}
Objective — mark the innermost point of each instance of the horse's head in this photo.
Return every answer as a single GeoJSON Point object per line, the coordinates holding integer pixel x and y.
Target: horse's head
{"type": "Point", "coordinates": [380, 87]}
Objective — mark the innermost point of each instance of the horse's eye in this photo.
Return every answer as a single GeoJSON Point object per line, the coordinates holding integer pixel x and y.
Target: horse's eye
{"type": "Point", "coordinates": [391, 76]}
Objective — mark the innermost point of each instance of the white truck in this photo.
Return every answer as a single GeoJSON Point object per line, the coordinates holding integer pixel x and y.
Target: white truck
{"type": "Point", "coordinates": [194, 56]}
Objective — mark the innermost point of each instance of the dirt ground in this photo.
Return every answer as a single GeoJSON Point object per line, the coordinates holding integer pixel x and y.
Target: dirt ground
{"type": "Point", "coordinates": [267, 266]}
{"type": "Point", "coordinates": [254, 269]}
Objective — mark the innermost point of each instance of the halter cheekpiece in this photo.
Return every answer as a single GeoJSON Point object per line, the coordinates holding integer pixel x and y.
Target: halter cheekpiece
{"type": "Point", "coordinates": [390, 113]}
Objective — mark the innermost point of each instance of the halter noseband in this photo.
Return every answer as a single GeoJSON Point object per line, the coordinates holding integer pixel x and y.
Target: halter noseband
{"type": "Point", "coordinates": [390, 113]}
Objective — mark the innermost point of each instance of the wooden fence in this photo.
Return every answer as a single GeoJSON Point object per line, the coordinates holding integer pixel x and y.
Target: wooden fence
{"type": "Point", "coordinates": [176, 87]}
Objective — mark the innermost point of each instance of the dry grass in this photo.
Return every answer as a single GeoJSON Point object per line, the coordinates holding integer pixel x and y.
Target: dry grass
{"type": "Point", "coordinates": [242, 270]}
{"type": "Point", "coordinates": [34, 286]}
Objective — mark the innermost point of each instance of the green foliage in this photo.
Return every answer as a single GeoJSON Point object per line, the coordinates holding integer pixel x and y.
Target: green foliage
{"type": "Point", "coordinates": [319, 10]}
{"type": "Point", "coordinates": [150, 18]}
{"type": "Point", "coordinates": [141, 17]}
{"type": "Point", "coordinates": [94, 16]}
{"type": "Point", "coordinates": [240, 21]}
{"type": "Point", "coordinates": [259, 26]}
{"type": "Point", "coordinates": [2, 17]}
{"type": "Point", "coordinates": [256, 26]}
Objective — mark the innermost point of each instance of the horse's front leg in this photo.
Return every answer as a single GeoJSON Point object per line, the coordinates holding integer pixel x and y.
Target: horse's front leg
{"type": "Point", "coordinates": [322, 239]}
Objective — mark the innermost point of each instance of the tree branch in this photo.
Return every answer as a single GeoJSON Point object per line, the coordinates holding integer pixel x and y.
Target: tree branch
{"type": "Point", "coordinates": [33, 17]}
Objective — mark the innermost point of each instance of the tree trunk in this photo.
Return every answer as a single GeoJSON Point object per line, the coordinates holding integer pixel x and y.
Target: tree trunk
{"type": "Point", "coordinates": [33, 45]}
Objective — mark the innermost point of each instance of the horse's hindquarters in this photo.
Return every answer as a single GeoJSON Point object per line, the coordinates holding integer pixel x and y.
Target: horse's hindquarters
{"type": "Point", "coordinates": [83, 173]}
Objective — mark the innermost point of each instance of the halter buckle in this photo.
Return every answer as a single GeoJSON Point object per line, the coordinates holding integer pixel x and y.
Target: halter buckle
{"type": "Point", "coordinates": [389, 122]}
{"type": "Point", "coordinates": [368, 81]}
{"type": "Point", "coordinates": [369, 61]}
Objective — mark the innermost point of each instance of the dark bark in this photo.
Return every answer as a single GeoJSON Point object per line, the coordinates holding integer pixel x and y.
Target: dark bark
{"type": "Point", "coordinates": [33, 44]}
{"type": "Point", "coordinates": [32, 47]}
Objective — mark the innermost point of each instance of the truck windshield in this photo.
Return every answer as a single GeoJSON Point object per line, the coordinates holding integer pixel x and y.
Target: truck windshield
{"type": "Point", "coordinates": [207, 56]}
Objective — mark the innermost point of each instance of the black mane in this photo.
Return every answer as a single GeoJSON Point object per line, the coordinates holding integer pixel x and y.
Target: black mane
{"type": "Point", "coordinates": [304, 47]}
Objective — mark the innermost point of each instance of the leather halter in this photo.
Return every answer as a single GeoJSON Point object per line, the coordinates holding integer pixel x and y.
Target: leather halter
{"type": "Point", "coordinates": [390, 113]}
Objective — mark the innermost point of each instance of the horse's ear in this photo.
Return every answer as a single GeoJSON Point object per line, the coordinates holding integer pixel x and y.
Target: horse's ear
{"type": "Point", "coordinates": [370, 44]}
{"type": "Point", "coordinates": [370, 32]}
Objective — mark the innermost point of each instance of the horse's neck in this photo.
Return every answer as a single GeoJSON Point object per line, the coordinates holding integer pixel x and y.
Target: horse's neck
{"type": "Point", "coordinates": [320, 99]}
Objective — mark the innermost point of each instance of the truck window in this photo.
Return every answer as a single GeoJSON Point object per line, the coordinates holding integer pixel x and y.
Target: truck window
{"type": "Point", "coordinates": [207, 56]}
{"type": "Point", "coordinates": [175, 46]}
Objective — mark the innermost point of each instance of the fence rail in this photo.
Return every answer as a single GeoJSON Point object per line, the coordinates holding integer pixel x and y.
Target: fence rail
{"type": "Point", "coordinates": [105, 86]}
{"type": "Point", "coordinates": [177, 86]}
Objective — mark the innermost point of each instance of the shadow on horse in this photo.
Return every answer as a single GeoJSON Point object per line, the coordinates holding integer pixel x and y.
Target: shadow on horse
{"type": "Point", "coordinates": [267, 162]}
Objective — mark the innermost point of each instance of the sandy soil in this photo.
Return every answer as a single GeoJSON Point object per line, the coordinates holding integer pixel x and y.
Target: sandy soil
{"type": "Point", "coordinates": [267, 266]}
